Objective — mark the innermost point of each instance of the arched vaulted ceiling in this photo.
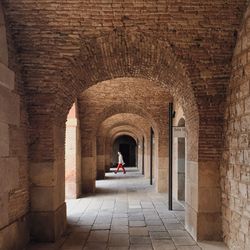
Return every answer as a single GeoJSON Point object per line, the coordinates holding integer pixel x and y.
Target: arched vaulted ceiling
{"type": "Point", "coordinates": [50, 36]}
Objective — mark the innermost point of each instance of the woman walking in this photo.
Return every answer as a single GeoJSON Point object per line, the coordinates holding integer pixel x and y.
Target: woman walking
{"type": "Point", "coordinates": [120, 164]}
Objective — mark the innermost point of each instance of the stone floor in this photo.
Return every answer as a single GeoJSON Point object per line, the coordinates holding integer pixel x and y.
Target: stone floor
{"type": "Point", "coordinates": [125, 213]}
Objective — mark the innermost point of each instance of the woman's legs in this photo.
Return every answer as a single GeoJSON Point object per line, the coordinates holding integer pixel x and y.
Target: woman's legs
{"type": "Point", "coordinates": [123, 169]}
{"type": "Point", "coordinates": [120, 166]}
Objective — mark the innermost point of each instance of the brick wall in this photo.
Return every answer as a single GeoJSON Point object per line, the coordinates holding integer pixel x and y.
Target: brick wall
{"type": "Point", "coordinates": [235, 165]}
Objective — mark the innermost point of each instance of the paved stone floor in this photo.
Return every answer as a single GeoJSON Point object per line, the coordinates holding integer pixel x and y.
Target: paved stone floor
{"type": "Point", "coordinates": [125, 213]}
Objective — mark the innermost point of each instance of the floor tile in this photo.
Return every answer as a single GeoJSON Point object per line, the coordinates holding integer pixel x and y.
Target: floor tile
{"type": "Point", "coordinates": [118, 240]}
{"type": "Point", "coordinates": [140, 240]}
{"type": "Point", "coordinates": [125, 213]}
{"type": "Point", "coordinates": [138, 231]}
{"type": "Point", "coordinates": [99, 236]}
{"type": "Point", "coordinates": [183, 241]}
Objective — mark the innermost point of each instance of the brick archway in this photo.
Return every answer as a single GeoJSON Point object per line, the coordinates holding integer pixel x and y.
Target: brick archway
{"type": "Point", "coordinates": [116, 54]}
{"type": "Point", "coordinates": [123, 108]}
{"type": "Point", "coordinates": [106, 138]}
{"type": "Point", "coordinates": [142, 156]}
{"type": "Point", "coordinates": [121, 116]}
{"type": "Point", "coordinates": [124, 53]}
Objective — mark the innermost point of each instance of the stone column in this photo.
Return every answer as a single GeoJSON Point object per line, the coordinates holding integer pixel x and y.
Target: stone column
{"type": "Point", "coordinates": [47, 175]}
{"type": "Point", "coordinates": [147, 156]}
{"type": "Point", "coordinates": [88, 164]}
{"type": "Point", "coordinates": [139, 154]}
{"type": "Point", "coordinates": [108, 151]}
{"type": "Point", "coordinates": [100, 175]}
{"type": "Point", "coordinates": [13, 234]}
{"type": "Point", "coordinates": [203, 194]}
{"type": "Point", "coordinates": [162, 171]}
{"type": "Point", "coordinates": [191, 183]}
{"type": "Point", "coordinates": [73, 155]}
{"type": "Point", "coordinates": [209, 190]}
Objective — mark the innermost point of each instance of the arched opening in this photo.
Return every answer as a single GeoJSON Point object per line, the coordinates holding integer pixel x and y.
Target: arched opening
{"type": "Point", "coordinates": [92, 155]}
{"type": "Point", "coordinates": [128, 148]}
{"type": "Point", "coordinates": [116, 125]}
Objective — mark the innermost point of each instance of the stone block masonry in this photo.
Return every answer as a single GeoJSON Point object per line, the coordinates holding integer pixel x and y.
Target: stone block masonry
{"type": "Point", "coordinates": [14, 197]}
{"type": "Point", "coordinates": [235, 163]}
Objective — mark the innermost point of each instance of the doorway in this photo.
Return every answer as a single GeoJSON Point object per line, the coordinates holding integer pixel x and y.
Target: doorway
{"type": "Point", "coordinates": [128, 148]}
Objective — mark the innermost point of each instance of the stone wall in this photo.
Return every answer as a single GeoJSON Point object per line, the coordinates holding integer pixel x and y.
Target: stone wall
{"type": "Point", "coordinates": [14, 186]}
{"type": "Point", "coordinates": [235, 165]}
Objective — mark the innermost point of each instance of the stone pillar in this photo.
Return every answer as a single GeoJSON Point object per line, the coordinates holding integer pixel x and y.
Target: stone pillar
{"type": "Point", "coordinates": [73, 155]}
{"type": "Point", "coordinates": [47, 175]}
{"type": "Point", "coordinates": [191, 194]}
{"type": "Point", "coordinates": [162, 172]}
{"type": "Point", "coordinates": [209, 190]}
{"type": "Point", "coordinates": [108, 151]}
{"type": "Point", "coordinates": [13, 234]}
{"type": "Point", "coordinates": [147, 156]}
{"type": "Point", "coordinates": [191, 183]}
{"type": "Point", "coordinates": [203, 195]}
{"type": "Point", "coordinates": [100, 175]}
{"type": "Point", "coordinates": [203, 201]}
{"type": "Point", "coordinates": [88, 164]}
{"type": "Point", "coordinates": [139, 154]}
{"type": "Point", "coordinates": [209, 197]}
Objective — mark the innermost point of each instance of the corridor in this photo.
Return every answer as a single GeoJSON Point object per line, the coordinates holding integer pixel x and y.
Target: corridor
{"type": "Point", "coordinates": [165, 83]}
{"type": "Point", "coordinates": [125, 213]}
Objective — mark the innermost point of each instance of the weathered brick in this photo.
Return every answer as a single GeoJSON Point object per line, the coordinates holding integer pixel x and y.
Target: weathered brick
{"type": "Point", "coordinates": [64, 47]}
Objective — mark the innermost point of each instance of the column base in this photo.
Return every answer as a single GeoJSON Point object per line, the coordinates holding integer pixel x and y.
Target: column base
{"type": "Point", "coordinates": [88, 186]}
{"type": "Point", "coordinates": [107, 168]}
{"type": "Point", "coordinates": [203, 226]}
{"type": "Point", "coordinates": [191, 220]}
{"type": "Point", "coordinates": [16, 235]}
{"type": "Point", "coordinates": [209, 227]}
{"type": "Point", "coordinates": [48, 226]}
{"type": "Point", "coordinates": [100, 174]}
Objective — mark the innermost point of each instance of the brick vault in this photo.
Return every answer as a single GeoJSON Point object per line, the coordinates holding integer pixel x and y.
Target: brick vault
{"type": "Point", "coordinates": [76, 75]}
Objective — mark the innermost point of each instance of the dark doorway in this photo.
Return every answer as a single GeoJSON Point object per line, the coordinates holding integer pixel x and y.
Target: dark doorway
{"type": "Point", "coordinates": [127, 146]}
{"type": "Point", "coordinates": [125, 150]}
